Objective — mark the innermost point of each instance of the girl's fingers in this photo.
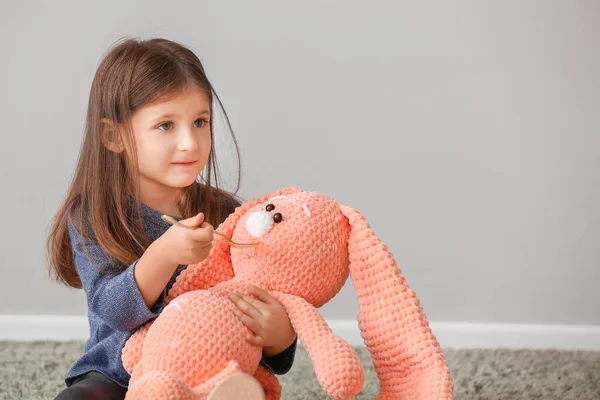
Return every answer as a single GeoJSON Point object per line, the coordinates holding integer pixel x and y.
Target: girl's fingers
{"type": "Point", "coordinates": [203, 234]}
{"type": "Point", "coordinates": [252, 324]}
{"type": "Point", "coordinates": [262, 295]}
{"type": "Point", "coordinates": [245, 306]}
{"type": "Point", "coordinates": [259, 305]}
{"type": "Point", "coordinates": [255, 339]}
{"type": "Point", "coordinates": [192, 222]}
{"type": "Point", "coordinates": [200, 230]}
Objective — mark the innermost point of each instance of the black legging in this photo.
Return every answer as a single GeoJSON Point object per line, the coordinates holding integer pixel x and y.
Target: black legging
{"type": "Point", "coordinates": [93, 386]}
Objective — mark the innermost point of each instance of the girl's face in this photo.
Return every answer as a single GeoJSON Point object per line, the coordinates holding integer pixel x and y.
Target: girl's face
{"type": "Point", "coordinates": [170, 133]}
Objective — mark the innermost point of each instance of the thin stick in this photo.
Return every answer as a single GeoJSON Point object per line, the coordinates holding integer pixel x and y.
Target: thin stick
{"type": "Point", "coordinates": [172, 221]}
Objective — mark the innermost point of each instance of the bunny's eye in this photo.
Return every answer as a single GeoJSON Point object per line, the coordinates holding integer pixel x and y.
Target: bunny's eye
{"type": "Point", "coordinates": [270, 207]}
{"type": "Point", "coordinates": [277, 217]}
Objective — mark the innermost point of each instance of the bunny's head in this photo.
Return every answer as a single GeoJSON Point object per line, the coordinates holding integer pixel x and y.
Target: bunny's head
{"type": "Point", "coordinates": [303, 246]}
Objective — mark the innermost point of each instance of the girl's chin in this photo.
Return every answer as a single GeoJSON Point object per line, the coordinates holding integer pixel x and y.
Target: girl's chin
{"type": "Point", "coordinates": [182, 182]}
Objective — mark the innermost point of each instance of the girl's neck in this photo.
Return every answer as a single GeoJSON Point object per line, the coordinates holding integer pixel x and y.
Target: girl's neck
{"type": "Point", "coordinates": [165, 202]}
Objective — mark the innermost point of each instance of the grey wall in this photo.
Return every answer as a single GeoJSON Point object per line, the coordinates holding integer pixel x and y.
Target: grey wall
{"type": "Point", "coordinates": [466, 132]}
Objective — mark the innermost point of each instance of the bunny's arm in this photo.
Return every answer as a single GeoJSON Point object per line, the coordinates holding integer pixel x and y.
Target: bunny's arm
{"type": "Point", "coordinates": [336, 364]}
{"type": "Point", "coordinates": [214, 269]}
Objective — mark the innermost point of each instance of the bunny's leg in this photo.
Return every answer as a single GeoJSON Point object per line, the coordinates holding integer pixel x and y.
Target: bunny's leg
{"type": "Point", "coordinates": [336, 364]}
{"type": "Point", "coordinates": [230, 383]}
{"type": "Point", "coordinates": [208, 386]}
{"type": "Point", "coordinates": [269, 382]}
{"type": "Point", "coordinates": [160, 385]}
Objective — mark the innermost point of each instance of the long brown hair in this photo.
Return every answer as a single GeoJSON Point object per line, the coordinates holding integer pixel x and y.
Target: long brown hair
{"type": "Point", "coordinates": [132, 74]}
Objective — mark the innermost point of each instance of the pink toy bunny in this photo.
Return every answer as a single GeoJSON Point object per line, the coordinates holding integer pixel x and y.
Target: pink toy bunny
{"type": "Point", "coordinates": [309, 244]}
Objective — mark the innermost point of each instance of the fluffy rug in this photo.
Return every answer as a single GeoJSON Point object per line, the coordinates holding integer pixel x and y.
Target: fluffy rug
{"type": "Point", "coordinates": [35, 370]}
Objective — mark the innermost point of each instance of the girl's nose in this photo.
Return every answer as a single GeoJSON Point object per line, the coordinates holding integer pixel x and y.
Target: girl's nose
{"type": "Point", "coordinates": [187, 141]}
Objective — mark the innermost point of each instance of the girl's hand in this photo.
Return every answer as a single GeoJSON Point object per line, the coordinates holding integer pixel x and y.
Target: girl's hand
{"type": "Point", "coordinates": [266, 318]}
{"type": "Point", "coordinates": [188, 241]}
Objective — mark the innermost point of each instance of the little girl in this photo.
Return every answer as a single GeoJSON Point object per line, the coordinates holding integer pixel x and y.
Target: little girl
{"type": "Point", "coordinates": [149, 135]}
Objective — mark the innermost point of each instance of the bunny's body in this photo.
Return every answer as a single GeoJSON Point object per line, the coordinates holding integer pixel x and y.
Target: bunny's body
{"type": "Point", "coordinates": [186, 352]}
{"type": "Point", "coordinates": [305, 256]}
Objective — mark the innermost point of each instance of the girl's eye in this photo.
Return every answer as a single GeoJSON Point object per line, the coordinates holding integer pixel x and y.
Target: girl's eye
{"type": "Point", "coordinates": [203, 124]}
{"type": "Point", "coordinates": [165, 123]}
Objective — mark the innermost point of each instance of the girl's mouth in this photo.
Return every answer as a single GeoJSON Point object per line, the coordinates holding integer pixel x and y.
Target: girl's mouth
{"type": "Point", "coordinates": [185, 164]}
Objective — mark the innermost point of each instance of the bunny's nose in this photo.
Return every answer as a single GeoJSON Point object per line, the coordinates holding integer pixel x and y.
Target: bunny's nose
{"type": "Point", "coordinates": [259, 223]}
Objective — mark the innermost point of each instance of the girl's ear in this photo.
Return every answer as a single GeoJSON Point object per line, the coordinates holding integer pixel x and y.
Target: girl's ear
{"type": "Point", "coordinates": [111, 138]}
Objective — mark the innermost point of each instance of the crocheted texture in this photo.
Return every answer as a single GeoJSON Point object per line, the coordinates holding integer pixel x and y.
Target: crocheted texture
{"type": "Point", "coordinates": [406, 355]}
{"type": "Point", "coordinates": [305, 256]}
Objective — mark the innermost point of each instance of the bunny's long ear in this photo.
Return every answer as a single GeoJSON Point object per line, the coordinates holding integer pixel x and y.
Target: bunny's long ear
{"type": "Point", "coordinates": [217, 266]}
{"type": "Point", "coordinates": [406, 355]}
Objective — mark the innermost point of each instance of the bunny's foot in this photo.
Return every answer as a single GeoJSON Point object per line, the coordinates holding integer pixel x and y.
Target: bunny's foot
{"type": "Point", "coordinates": [240, 386]}
{"type": "Point", "coordinates": [231, 383]}
{"type": "Point", "coordinates": [160, 385]}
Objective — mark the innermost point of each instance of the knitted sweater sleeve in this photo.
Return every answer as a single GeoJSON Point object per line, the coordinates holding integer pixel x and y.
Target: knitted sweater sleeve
{"type": "Point", "coordinates": [115, 298]}
{"type": "Point", "coordinates": [281, 363]}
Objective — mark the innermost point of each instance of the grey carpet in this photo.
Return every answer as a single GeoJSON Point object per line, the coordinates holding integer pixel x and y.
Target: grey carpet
{"type": "Point", "coordinates": [35, 370]}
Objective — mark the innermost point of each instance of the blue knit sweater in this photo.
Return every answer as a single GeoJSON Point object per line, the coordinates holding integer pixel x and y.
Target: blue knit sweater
{"type": "Point", "coordinates": [116, 307]}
